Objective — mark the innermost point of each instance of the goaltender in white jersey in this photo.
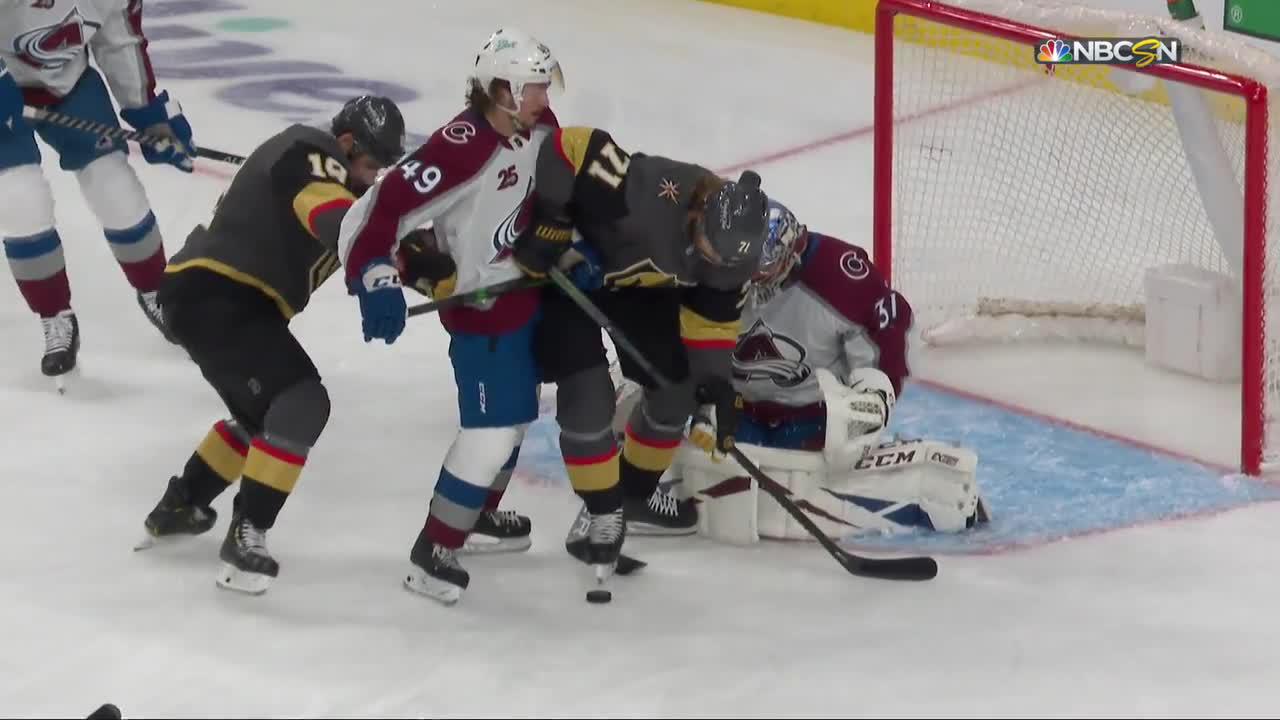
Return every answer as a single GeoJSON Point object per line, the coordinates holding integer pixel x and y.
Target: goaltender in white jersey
{"type": "Point", "coordinates": [820, 362]}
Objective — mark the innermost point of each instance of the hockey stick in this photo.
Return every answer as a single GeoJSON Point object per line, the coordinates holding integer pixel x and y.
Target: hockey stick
{"type": "Point", "coordinates": [477, 295]}
{"type": "Point", "coordinates": [909, 568]}
{"type": "Point", "coordinates": [115, 133]}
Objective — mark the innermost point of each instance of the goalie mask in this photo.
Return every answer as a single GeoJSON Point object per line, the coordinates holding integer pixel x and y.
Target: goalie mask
{"type": "Point", "coordinates": [783, 247]}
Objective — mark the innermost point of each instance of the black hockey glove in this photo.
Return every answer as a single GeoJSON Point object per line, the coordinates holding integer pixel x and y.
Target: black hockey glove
{"type": "Point", "coordinates": [714, 427]}
{"type": "Point", "coordinates": [540, 246]}
{"type": "Point", "coordinates": [424, 267]}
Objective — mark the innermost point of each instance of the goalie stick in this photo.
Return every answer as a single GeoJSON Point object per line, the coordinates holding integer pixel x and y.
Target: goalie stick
{"type": "Point", "coordinates": [908, 568]}
{"type": "Point", "coordinates": [115, 133]}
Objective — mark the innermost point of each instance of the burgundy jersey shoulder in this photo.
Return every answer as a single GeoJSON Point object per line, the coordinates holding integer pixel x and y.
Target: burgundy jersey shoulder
{"type": "Point", "coordinates": [844, 277]}
{"type": "Point", "coordinates": [459, 148]}
{"type": "Point", "coordinates": [422, 185]}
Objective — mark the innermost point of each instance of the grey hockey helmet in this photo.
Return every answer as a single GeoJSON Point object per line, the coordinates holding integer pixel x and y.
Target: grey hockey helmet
{"type": "Point", "coordinates": [735, 221]}
{"type": "Point", "coordinates": [376, 124]}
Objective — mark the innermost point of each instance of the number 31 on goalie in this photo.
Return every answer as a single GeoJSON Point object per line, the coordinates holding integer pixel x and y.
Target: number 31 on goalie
{"type": "Point", "coordinates": [886, 310]}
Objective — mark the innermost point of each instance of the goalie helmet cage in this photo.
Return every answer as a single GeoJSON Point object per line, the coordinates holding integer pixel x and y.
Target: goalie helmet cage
{"type": "Point", "coordinates": [1010, 184]}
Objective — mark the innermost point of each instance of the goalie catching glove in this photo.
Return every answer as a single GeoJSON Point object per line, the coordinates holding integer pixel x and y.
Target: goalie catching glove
{"type": "Point", "coordinates": [424, 267]}
{"type": "Point", "coordinates": [716, 423]}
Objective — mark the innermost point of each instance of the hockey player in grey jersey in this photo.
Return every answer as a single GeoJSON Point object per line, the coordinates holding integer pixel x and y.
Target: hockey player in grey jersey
{"type": "Point", "coordinates": [228, 296]}
{"type": "Point", "coordinates": [669, 249]}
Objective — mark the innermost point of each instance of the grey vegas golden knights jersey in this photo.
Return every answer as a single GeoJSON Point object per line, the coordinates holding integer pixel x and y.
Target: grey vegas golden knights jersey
{"type": "Point", "coordinates": [633, 208]}
{"type": "Point", "coordinates": [275, 229]}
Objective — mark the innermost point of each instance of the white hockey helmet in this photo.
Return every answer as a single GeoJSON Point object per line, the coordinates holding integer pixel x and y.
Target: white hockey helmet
{"type": "Point", "coordinates": [517, 57]}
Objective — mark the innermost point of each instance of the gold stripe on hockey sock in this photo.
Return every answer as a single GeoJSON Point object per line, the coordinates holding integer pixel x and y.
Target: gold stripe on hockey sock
{"type": "Point", "coordinates": [593, 474]}
{"type": "Point", "coordinates": [223, 453]}
{"type": "Point", "coordinates": [651, 455]}
{"type": "Point", "coordinates": [273, 467]}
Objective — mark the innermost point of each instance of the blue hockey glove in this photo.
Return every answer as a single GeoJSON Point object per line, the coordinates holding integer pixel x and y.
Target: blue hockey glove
{"type": "Point", "coordinates": [382, 306]}
{"type": "Point", "coordinates": [588, 273]}
{"type": "Point", "coordinates": [10, 103]}
{"type": "Point", "coordinates": [164, 117]}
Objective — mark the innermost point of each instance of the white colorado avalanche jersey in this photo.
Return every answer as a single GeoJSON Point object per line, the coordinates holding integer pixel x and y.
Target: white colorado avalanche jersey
{"type": "Point", "coordinates": [46, 44]}
{"type": "Point", "coordinates": [474, 186]}
{"type": "Point", "coordinates": [836, 313]}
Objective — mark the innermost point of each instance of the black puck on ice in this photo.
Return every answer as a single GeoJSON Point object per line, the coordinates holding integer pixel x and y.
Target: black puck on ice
{"type": "Point", "coordinates": [599, 596]}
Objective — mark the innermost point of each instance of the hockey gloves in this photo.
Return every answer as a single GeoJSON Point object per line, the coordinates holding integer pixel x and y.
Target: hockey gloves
{"type": "Point", "coordinates": [425, 268]}
{"type": "Point", "coordinates": [714, 427]}
{"type": "Point", "coordinates": [541, 245]}
{"type": "Point", "coordinates": [163, 117]}
{"type": "Point", "coordinates": [382, 307]}
{"type": "Point", "coordinates": [587, 268]}
{"type": "Point", "coordinates": [10, 103]}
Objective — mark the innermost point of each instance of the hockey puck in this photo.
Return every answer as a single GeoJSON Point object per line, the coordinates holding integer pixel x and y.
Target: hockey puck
{"type": "Point", "coordinates": [597, 597]}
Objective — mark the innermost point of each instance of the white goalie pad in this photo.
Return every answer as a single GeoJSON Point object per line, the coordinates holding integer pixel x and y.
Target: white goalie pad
{"type": "Point", "coordinates": [896, 487]}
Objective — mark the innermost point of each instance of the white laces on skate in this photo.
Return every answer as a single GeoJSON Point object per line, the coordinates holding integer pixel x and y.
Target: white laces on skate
{"type": "Point", "coordinates": [58, 332]}
{"type": "Point", "coordinates": [150, 305]}
{"type": "Point", "coordinates": [252, 538]}
{"type": "Point", "coordinates": [605, 529]}
{"type": "Point", "coordinates": [445, 556]}
{"type": "Point", "coordinates": [504, 517]}
{"type": "Point", "coordinates": [664, 503]}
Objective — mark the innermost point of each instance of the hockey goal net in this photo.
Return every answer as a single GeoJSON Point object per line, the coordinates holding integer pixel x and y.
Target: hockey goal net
{"type": "Point", "coordinates": [1014, 202]}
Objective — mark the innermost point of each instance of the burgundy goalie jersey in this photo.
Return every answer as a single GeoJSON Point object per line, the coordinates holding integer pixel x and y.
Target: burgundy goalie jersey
{"type": "Point", "coordinates": [836, 313]}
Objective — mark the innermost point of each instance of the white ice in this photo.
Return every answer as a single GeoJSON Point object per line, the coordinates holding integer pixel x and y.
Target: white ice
{"type": "Point", "coordinates": [1156, 621]}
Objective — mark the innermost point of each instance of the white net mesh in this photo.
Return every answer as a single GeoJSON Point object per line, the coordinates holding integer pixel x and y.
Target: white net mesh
{"type": "Point", "coordinates": [1030, 204]}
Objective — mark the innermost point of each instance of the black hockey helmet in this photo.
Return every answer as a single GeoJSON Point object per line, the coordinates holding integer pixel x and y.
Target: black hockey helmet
{"type": "Point", "coordinates": [376, 124]}
{"type": "Point", "coordinates": [735, 220]}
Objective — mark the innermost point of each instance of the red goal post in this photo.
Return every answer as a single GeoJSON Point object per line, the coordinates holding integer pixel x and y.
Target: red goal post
{"type": "Point", "coordinates": [951, 79]}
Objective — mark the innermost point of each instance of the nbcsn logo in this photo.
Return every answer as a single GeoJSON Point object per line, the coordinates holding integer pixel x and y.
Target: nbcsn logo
{"type": "Point", "coordinates": [1139, 52]}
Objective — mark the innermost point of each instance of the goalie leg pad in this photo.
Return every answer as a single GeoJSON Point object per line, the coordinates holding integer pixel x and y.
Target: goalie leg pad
{"type": "Point", "coordinates": [896, 487]}
{"type": "Point", "coordinates": [905, 485]}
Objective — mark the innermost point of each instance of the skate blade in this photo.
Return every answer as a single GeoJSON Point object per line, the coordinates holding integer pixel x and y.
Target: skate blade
{"type": "Point", "coordinates": [148, 541]}
{"type": "Point", "coordinates": [648, 530]}
{"type": "Point", "coordinates": [63, 382]}
{"type": "Point", "coordinates": [250, 583]}
{"type": "Point", "coordinates": [488, 545]}
{"type": "Point", "coordinates": [446, 593]}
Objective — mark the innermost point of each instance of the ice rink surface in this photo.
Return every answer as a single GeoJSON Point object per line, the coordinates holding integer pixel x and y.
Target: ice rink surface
{"type": "Point", "coordinates": [1167, 608]}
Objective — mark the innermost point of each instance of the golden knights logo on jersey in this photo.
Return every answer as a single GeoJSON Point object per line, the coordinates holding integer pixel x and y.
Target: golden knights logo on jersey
{"type": "Point", "coordinates": [763, 354]}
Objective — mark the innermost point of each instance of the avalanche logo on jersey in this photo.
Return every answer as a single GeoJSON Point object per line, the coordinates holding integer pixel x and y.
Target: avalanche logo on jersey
{"type": "Point", "coordinates": [52, 46]}
{"type": "Point", "coordinates": [763, 354]}
{"type": "Point", "coordinates": [504, 236]}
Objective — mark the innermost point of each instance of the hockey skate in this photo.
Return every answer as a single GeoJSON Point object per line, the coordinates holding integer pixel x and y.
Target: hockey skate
{"type": "Point", "coordinates": [151, 308]}
{"type": "Point", "coordinates": [176, 517]}
{"type": "Point", "coordinates": [662, 513]}
{"type": "Point", "coordinates": [247, 565]}
{"type": "Point", "coordinates": [499, 531]}
{"type": "Point", "coordinates": [577, 544]}
{"type": "Point", "coordinates": [436, 572]}
{"type": "Point", "coordinates": [597, 541]}
{"type": "Point", "coordinates": [61, 346]}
